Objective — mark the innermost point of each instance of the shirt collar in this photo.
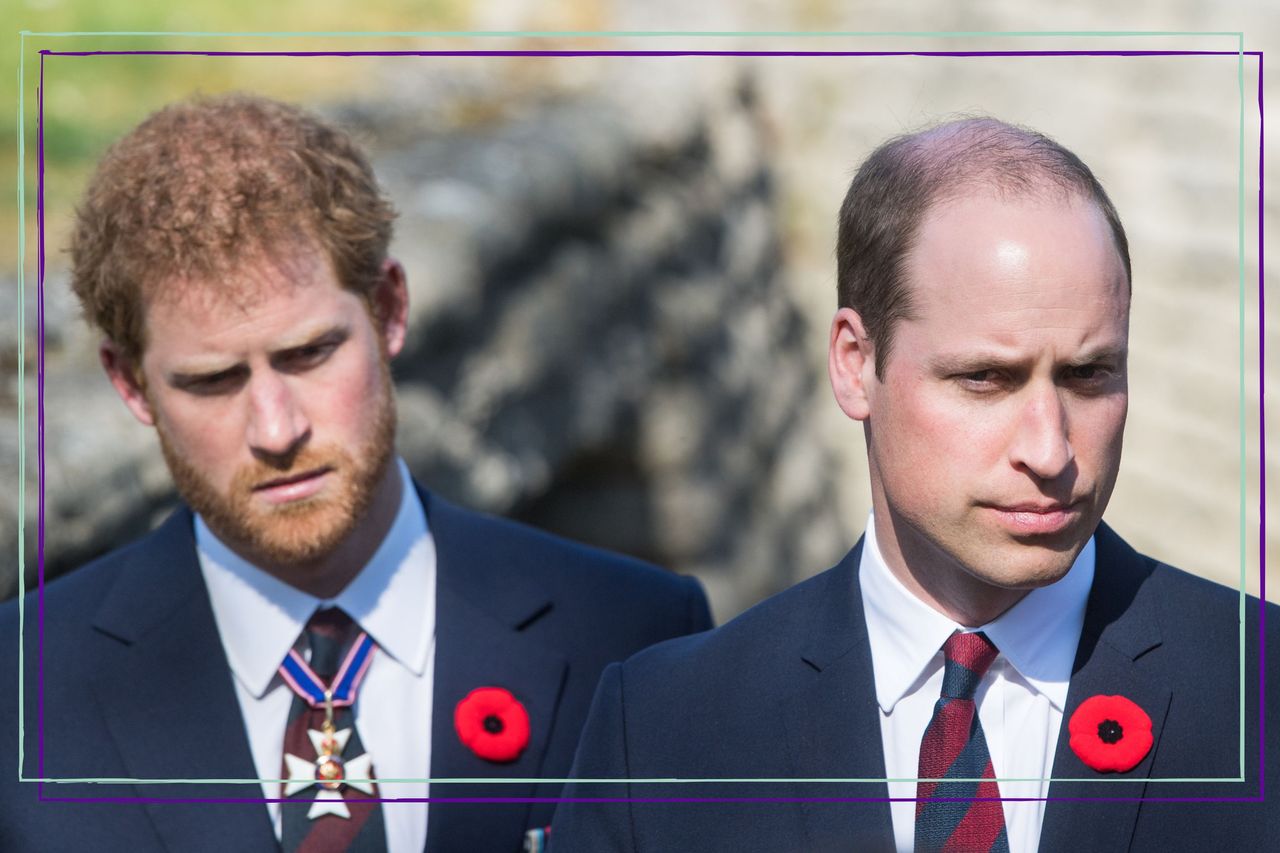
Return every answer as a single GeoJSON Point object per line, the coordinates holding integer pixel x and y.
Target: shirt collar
{"type": "Point", "coordinates": [260, 617]}
{"type": "Point", "coordinates": [1037, 636]}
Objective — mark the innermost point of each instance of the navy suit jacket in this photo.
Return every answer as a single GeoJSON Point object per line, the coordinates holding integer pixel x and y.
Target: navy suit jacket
{"type": "Point", "coordinates": [136, 685]}
{"type": "Point", "coordinates": [785, 692]}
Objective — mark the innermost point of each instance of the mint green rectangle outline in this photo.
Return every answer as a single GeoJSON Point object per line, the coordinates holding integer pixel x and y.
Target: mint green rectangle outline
{"type": "Point", "coordinates": [22, 398]}
{"type": "Point", "coordinates": [1262, 700]}
{"type": "Point", "coordinates": [1239, 36]}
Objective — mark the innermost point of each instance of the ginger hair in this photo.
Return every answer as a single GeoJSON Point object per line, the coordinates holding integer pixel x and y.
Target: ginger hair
{"type": "Point", "coordinates": [205, 185]}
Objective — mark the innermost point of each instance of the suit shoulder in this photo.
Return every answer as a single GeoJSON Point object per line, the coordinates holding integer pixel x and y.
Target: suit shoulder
{"type": "Point", "coordinates": [555, 560]}
{"type": "Point", "coordinates": [772, 630]}
{"type": "Point", "coordinates": [1199, 618]}
{"type": "Point", "coordinates": [1209, 613]}
{"type": "Point", "coordinates": [1180, 594]}
{"type": "Point", "coordinates": [1194, 588]}
{"type": "Point", "coordinates": [78, 592]}
{"type": "Point", "coordinates": [1182, 591]}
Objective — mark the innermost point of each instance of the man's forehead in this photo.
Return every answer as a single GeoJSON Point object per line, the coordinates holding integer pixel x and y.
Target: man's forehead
{"type": "Point", "coordinates": [285, 307]}
{"type": "Point", "coordinates": [984, 265]}
{"type": "Point", "coordinates": [1010, 227]}
{"type": "Point", "coordinates": [242, 282]}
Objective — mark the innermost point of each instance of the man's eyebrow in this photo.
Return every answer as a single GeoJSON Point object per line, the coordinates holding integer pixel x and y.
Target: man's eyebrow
{"type": "Point", "coordinates": [949, 363]}
{"type": "Point", "coordinates": [971, 361]}
{"type": "Point", "coordinates": [196, 374]}
{"type": "Point", "coordinates": [335, 334]}
{"type": "Point", "coordinates": [1103, 352]}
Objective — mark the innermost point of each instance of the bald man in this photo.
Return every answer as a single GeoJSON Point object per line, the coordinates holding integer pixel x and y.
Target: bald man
{"type": "Point", "coordinates": [988, 632]}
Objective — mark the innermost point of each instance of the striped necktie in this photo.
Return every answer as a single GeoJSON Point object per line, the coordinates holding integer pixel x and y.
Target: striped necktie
{"type": "Point", "coordinates": [323, 812]}
{"type": "Point", "coordinates": [954, 748]}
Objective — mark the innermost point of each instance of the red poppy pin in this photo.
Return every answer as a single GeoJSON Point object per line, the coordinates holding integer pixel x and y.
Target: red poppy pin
{"type": "Point", "coordinates": [1110, 733]}
{"type": "Point", "coordinates": [493, 724]}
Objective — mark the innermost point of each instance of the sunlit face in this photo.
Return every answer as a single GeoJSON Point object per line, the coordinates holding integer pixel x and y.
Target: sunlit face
{"type": "Point", "coordinates": [994, 438]}
{"type": "Point", "coordinates": [274, 408]}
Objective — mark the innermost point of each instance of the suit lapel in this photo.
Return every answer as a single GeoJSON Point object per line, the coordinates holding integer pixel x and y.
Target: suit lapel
{"type": "Point", "coordinates": [1120, 627]}
{"type": "Point", "coordinates": [168, 699]}
{"type": "Point", "coordinates": [481, 611]}
{"type": "Point", "coordinates": [833, 723]}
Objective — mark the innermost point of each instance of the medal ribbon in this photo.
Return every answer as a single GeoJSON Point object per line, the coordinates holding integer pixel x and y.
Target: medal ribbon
{"type": "Point", "coordinates": [304, 682]}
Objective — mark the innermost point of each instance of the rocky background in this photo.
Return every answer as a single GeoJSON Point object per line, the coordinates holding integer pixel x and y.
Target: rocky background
{"type": "Point", "coordinates": [622, 275]}
{"type": "Point", "coordinates": [601, 342]}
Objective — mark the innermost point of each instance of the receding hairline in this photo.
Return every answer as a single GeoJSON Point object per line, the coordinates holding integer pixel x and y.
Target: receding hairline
{"type": "Point", "coordinates": [1006, 159]}
{"type": "Point", "coordinates": [906, 176]}
{"type": "Point", "coordinates": [981, 156]}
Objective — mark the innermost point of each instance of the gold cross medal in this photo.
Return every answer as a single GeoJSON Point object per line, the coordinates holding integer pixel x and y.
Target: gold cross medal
{"type": "Point", "coordinates": [328, 771]}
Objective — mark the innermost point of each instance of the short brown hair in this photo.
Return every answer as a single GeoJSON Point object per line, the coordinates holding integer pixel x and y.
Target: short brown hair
{"type": "Point", "coordinates": [904, 177]}
{"type": "Point", "coordinates": [205, 184]}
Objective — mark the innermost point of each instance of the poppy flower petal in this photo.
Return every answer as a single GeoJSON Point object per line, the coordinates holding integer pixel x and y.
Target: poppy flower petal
{"type": "Point", "coordinates": [1110, 734]}
{"type": "Point", "coordinates": [492, 723]}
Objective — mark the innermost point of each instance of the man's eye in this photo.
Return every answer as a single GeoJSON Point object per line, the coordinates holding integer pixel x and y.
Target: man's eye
{"type": "Point", "coordinates": [308, 356]}
{"type": "Point", "coordinates": [217, 383]}
{"type": "Point", "coordinates": [979, 380]}
{"type": "Point", "coordinates": [308, 353]}
{"type": "Point", "coordinates": [1090, 372]}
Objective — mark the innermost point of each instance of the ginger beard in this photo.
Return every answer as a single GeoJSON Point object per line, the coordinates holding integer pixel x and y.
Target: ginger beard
{"type": "Point", "coordinates": [302, 531]}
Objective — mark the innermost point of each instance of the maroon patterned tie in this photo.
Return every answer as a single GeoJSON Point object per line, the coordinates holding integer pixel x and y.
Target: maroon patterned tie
{"type": "Point", "coordinates": [954, 748]}
{"type": "Point", "coordinates": [323, 813]}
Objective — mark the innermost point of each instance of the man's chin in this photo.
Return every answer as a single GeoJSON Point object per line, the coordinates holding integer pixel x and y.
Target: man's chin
{"type": "Point", "coordinates": [1030, 561]}
{"type": "Point", "coordinates": [1040, 568]}
{"type": "Point", "coordinates": [291, 537]}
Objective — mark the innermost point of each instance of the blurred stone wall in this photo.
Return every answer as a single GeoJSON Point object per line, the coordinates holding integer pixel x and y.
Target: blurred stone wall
{"type": "Point", "coordinates": [600, 341]}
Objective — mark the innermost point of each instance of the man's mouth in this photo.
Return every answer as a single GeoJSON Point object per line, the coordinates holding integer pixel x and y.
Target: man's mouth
{"type": "Point", "coordinates": [1037, 517]}
{"type": "Point", "coordinates": [295, 487]}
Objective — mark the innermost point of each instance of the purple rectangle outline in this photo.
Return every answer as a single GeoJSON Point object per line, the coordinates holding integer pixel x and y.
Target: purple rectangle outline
{"type": "Point", "coordinates": [645, 53]}
{"type": "Point", "coordinates": [1262, 591]}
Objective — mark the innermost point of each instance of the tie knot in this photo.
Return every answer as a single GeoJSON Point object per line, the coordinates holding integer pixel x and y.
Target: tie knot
{"type": "Point", "coordinates": [331, 621]}
{"type": "Point", "coordinates": [968, 658]}
{"type": "Point", "coordinates": [328, 634]}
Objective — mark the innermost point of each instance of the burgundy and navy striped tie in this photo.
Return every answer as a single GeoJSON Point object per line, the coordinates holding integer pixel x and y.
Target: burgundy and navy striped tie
{"type": "Point", "coordinates": [955, 749]}
{"type": "Point", "coordinates": [329, 634]}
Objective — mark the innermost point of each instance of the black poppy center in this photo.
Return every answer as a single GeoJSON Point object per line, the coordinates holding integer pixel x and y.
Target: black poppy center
{"type": "Point", "coordinates": [493, 724]}
{"type": "Point", "coordinates": [1110, 731]}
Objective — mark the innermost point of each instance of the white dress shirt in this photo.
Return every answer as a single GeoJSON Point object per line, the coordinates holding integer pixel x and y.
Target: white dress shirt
{"type": "Point", "coordinates": [260, 619]}
{"type": "Point", "coordinates": [1020, 699]}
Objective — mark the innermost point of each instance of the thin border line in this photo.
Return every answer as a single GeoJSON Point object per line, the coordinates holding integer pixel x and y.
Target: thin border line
{"type": "Point", "coordinates": [522, 780]}
{"type": "Point", "coordinates": [655, 34]}
{"type": "Point", "coordinates": [687, 800]}
{"type": "Point", "coordinates": [40, 261]}
{"type": "Point", "coordinates": [22, 395]}
{"type": "Point", "coordinates": [1240, 53]}
{"type": "Point", "coordinates": [1240, 391]}
{"type": "Point", "coordinates": [1262, 445]}
{"type": "Point", "coordinates": [569, 54]}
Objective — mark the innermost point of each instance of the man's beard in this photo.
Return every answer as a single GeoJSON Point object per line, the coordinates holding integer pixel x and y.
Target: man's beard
{"type": "Point", "coordinates": [299, 532]}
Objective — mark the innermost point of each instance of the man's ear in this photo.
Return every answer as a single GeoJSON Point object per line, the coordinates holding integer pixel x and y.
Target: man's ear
{"type": "Point", "coordinates": [390, 304]}
{"type": "Point", "coordinates": [126, 377]}
{"type": "Point", "coordinates": [851, 364]}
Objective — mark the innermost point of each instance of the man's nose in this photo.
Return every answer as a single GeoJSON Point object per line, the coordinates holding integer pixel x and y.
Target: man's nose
{"type": "Point", "coordinates": [1042, 443]}
{"type": "Point", "coordinates": [277, 425]}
